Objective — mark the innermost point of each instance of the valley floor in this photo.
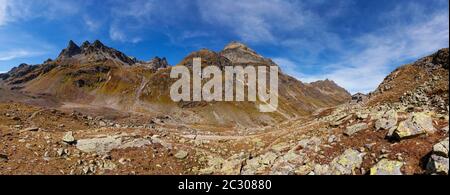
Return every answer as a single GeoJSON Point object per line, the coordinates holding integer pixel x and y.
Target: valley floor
{"type": "Point", "coordinates": [70, 139]}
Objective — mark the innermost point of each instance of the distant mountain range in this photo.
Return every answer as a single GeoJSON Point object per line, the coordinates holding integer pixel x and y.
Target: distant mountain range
{"type": "Point", "coordinates": [95, 74]}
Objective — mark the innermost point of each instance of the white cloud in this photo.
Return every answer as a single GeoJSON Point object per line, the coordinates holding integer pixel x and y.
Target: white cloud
{"type": "Point", "coordinates": [363, 70]}
{"type": "Point", "coordinates": [92, 24]}
{"type": "Point", "coordinates": [256, 20]}
{"type": "Point", "coordinates": [18, 10]}
{"type": "Point", "coordinates": [19, 53]}
{"type": "Point", "coordinates": [117, 34]}
{"type": "Point", "coordinates": [3, 15]}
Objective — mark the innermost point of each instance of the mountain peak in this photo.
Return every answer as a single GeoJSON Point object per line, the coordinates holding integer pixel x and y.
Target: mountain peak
{"type": "Point", "coordinates": [85, 44]}
{"type": "Point", "coordinates": [240, 53]}
{"type": "Point", "coordinates": [157, 63]}
{"type": "Point", "coordinates": [72, 49]}
{"type": "Point", "coordinates": [236, 45]}
{"type": "Point", "coordinates": [98, 44]}
{"type": "Point", "coordinates": [96, 51]}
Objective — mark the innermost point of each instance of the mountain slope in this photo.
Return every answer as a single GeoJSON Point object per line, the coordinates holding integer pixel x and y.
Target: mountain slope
{"type": "Point", "coordinates": [417, 83]}
{"type": "Point", "coordinates": [97, 75]}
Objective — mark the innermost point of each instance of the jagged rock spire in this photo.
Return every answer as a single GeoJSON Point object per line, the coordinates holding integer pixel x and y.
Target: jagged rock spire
{"type": "Point", "coordinates": [72, 49]}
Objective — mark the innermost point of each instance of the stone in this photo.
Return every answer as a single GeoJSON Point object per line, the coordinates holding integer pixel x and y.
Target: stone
{"type": "Point", "coordinates": [258, 164]}
{"type": "Point", "coordinates": [391, 131]}
{"type": "Point", "coordinates": [351, 130]}
{"type": "Point", "coordinates": [3, 158]}
{"type": "Point", "coordinates": [369, 146]}
{"type": "Point", "coordinates": [102, 124]}
{"type": "Point", "coordinates": [424, 121]}
{"type": "Point", "coordinates": [282, 168]}
{"type": "Point", "coordinates": [438, 165]}
{"type": "Point", "coordinates": [304, 169]}
{"type": "Point", "coordinates": [362, 116]}
{"type": "Point", "coordinates": [213, 164]}
{"type": "Point", "coordinates": [156, 140]}
{"type": "Point", "coordinates": [181, 154]}
{"type": "Point", "coordinates": [417, 124]}
{"type": "Point", "coordinates": [99, 145]}
{"type": "Point", "coordinates": [233, 165]}
{"type": "Point", "coordinates": [347, 163]}
{"type": "Point", "coordinates": [321, 170]}
{"type": "Point", "coordinates": [31, 129]}
{"type": "Point", "coordinates": [280, 147]}
{"type": "Point", "coordinates": [445, 129]}
{"type": "Point", "coordinates": [388, 121]}
{"type": "Point", "coordinates": [108, 165]}
{"type": "Point", "coordinates": [441, 148]}
{"type": "Point", "coordinates": [68, 137]}
{"type": "Point", "coordinates": [340, 119]}
{"type": "Point", "coordinates": [60, 152]}
{"type": "Point", "coordinates": [268, 158]}
{"type": "Point", "coordinates": [387, 167]}
{"type": "Point", "coordinates": [331, 139]}
{"type": "Point", "coordinates": [310, 144]}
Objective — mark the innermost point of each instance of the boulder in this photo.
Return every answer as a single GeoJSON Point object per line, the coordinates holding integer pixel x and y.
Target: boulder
{"type": "Point", "coordinates": [388, 121]}
{"type": "Point", "coordinates": [417, 124]}
{"type": "Point", "coordinates": [424, 121]}
{"type": "Point", "coordinates": [387, 167]}
{"type": "Point", "coordinates": [445, 129]}
{"type": "Point", "coordinates": [441, 148]}
{"type": "Point", "coordinates": [99, 145]}
{"type": "Point", "coordinates": [321, 170]}
{"type": "Point", "coordinates": [355, 128]}
{"type": "Point", "coordinates": [68, 137]}
{"type": "Point", "coordinates": [340, 119]}
{"type": "Point", "coordinates": [280, 147]}
{"type": "Point", "coordinates": [181, 154]}
{"type": "Point", "coordinates": [258, 164]}
{"type": "Point", "coordinates": [438, 165]}
{"type": "Point", "coordinates": [31, 129]}
{"type": "Point", "coordinates": [233, 165]}
{"type": "Point", "coordinates": [103, 145]}
{"type": "Point", "coordinates": [347, 163]}
{"type": "Point", "coordinates": [3, 158]}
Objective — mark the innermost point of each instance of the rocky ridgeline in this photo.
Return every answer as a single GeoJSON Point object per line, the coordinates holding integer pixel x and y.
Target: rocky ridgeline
{"type": "Point", "coordinates": [95, 52]}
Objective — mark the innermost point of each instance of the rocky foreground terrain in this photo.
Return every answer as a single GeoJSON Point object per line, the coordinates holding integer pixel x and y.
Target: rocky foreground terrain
{"type": "Point", "coordinates": [401, 128]}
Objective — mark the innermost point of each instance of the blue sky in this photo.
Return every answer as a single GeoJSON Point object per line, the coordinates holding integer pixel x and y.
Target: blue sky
{"type": "Point", "coordinates": [353, 42]}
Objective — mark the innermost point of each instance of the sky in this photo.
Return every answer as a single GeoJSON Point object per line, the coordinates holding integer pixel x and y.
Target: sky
{"type": "Point", "coordinates": [356, 43]}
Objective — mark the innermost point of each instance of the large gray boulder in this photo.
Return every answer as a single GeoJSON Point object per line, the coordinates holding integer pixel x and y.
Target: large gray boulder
{"type": "Point", "coordinates": [351, 130]}
{"type": "Point", "coordinates": [347, 163]}
{"type": "Point", "coordinates": [387, 167]}
{"type": "Point", "coordinates": [438, 163]}
{"type": "Point", "coordinates": [417, 124]}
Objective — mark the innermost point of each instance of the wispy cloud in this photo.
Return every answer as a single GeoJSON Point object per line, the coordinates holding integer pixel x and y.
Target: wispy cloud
{"type": "Point", "coordinates": [255, 20]}
{"type": "Point", "coordinates": [362, 70]}
{"type": "Point", "coordinates": [92, 24]}
{"type": "Point", "coordinates": [18, 10]}
{"type": "Point", "coordinates": [117, 34]}
{"type": "Point", "coordinates": [3, 15]}
{"type": "Point", "coordinates": [15, 54]}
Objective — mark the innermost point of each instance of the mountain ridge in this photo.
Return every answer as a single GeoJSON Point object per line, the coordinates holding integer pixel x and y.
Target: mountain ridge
{"type": "Point", "coordinates": [96, 74]}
